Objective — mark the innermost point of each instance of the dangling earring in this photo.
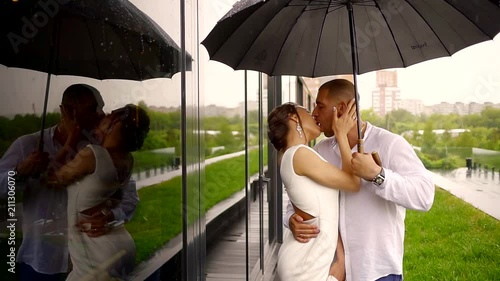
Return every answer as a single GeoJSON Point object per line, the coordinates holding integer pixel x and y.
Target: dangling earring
{"type": "Point", "coordinates": [299, 129]}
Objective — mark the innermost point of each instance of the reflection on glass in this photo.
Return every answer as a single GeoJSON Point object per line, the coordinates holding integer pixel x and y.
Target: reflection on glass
{"type": "Point", "coordinates": [132, 203]}
{"type": "Point", "coordinates": [254, 190]}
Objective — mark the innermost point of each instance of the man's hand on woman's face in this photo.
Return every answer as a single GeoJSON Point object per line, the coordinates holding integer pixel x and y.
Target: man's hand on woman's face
{"type": "Point", "coordinates": [301, 231]}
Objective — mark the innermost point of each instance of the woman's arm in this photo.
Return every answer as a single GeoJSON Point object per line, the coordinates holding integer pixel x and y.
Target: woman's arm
{"type": "Point", "coordinates": [309, 164]}
{"type": "Point", "coordinates": [83, 164]}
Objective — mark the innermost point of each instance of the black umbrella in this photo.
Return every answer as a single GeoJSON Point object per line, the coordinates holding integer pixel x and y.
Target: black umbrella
{"type": "Point", "coordinates": [109, 39]}
{"type": "Point", "coordinates": [327, 37]}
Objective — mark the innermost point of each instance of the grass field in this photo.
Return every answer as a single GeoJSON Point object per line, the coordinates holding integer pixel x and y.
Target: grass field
{"type": "Point", "coordinates": [145, 160]}
{"type": "Point", "coordinates": [158, 217]}
{"type": "Point", "coordinates": [453, 241]}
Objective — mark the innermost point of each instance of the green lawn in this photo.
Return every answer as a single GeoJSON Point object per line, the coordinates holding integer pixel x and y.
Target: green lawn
{"type": "Point", "coordinates": [453, 241]}
{"type": "Point", "coordinates": [158, 217]}
{"type": "Point", "coordinates": [146, 160]}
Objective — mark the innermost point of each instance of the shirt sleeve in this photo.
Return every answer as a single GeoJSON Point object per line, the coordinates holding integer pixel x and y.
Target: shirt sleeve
{"type": "Point", "coordinates": [12, 157]}
{"type": "Point", "coordinates": [407, 182]}
{"type": "Point", "coordinates": [126, 209]}
{"type": "Point", "coordinates": [289, 213]}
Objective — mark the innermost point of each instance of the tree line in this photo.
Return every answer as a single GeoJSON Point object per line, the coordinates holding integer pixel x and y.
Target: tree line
{"type": "Point", "coordinates": [165, 129]}
{"type": "Point", "coordinates": [443, 150]}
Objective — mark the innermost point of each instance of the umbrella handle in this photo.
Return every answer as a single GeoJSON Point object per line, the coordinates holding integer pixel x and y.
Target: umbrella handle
{"type": "Point", "coordinates": [361, 149]}
{"type": "Point", "coordinates": [375, 155]}
{"type": "Point", "coordinates": [376, 158]}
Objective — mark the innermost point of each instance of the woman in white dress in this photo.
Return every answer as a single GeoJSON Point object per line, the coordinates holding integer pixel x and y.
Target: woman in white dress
{"type": "Point", "coordinates": [312, 185]}
{"type": "Point", "coordinates": [91, 177]}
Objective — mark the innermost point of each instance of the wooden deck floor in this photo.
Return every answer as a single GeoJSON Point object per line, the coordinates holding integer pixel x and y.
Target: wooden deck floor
{"type": "Point", "coordinates": [226, 258]}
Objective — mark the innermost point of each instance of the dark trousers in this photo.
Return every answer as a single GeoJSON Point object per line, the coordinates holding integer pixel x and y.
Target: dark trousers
{"type": "Point", "coordinates": [391, 277]}
{"type": "Point", "coordinates": [27, 273]}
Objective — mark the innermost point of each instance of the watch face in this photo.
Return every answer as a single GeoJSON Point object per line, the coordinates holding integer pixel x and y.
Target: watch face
{"type": "Point", "coordinates": [379, 181]}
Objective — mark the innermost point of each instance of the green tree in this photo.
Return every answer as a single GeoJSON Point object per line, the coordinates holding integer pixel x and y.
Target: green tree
{"type": "Point", "coordinates": [465, 140]}
{"type": "Point", "coordinates": [371, 116]}
{"type": "Point", "coordinates": [428, 138]}
{"type": "Point", "coordinates": [225, 137]}
{"type": "Point", "coordinates": [490, 117]}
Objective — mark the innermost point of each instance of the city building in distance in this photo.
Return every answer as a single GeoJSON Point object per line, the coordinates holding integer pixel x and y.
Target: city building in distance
{"type": "Point", "coordinates": [387, 95]}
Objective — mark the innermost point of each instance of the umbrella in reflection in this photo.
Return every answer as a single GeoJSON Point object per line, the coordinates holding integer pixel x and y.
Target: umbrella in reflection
{"type": "Point", "coordinates": [109, 39]}
{"type": "Point", "coordinates": [327, 37]}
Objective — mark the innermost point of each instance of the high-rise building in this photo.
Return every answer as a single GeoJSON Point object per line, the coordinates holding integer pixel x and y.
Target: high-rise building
{"type": "Point", "coordinates": [444, 108]}
{"type": "Point", "coordinates": [461, 108]}
{"type": "Point", "coordinates": [387, 95]}
{"type": "Point", "coordinates": [416, 107]}
{"type": "Point", "coordinates": [475, 108]}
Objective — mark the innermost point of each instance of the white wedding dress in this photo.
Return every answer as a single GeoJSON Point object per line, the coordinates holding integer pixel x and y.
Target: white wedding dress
{"type": "Point", "coordinates": [108, 256]}
{"type": "Point", "coordinates": [308, 261]}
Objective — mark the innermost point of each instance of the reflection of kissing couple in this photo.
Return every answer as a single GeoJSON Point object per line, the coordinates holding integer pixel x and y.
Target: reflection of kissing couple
{"type": "Point", "coordinates": [78, 190]}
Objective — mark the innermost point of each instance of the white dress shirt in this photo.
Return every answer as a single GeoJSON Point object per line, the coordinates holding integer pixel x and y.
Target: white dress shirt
{"type": "Point", "coordinates": [44, 220]}
{"type": "Point", "coordinates": [372, 220]}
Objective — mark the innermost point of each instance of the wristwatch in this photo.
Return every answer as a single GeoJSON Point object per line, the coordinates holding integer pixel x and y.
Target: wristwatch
{"type": "Point", "coordinates": [379, 179]}
{"type": "Point", "coordinates": [106, 212]}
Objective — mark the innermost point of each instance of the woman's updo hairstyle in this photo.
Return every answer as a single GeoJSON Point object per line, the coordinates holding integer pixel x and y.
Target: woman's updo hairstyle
{"type": "Point", "coordinates": [277, 122]}
{"type": "Point", "coordinates": [135, 127]}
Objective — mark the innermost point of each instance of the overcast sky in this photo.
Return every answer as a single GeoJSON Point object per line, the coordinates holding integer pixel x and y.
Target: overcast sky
{"type": "Point", "coordinates": [472, 74]}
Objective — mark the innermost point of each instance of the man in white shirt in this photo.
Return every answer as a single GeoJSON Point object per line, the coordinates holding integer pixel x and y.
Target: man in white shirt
{"type": "Point", "coordinates": [43, 254]}
{"type": "Point", "coordinates": [371, 221]}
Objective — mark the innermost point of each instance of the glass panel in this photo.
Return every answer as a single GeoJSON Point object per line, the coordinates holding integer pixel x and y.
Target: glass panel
{"type": "Point", "coordinates": [264, 155]}
{"type": "Point", "coordinates": [224, 130]}
{"type": "Point", "coordinates": [193, 193]}
{"type": "Point", "coordinates": [147, 208]}
{"type": "Point", "coordinates": [254, 212]}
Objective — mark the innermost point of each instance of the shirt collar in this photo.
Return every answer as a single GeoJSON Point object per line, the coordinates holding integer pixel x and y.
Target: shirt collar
{"type": "Point", "coordinates": [334, 143]}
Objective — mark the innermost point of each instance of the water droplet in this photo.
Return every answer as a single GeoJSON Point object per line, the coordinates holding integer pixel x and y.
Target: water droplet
{"type": "Point", "coordinates": [142, 45]}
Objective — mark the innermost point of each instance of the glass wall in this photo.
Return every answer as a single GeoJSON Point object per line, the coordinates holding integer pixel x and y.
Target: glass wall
{"type": "Point", "coordinates": [146, 210]}
{"type": "Point", "coordinates": [203, 179]}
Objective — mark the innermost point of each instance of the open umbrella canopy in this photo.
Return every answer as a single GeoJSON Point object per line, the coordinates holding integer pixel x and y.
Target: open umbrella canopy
{"type": "Point", "coordinates": [109, 39]}
{"type": "Point", "coordinates": [312, 38]}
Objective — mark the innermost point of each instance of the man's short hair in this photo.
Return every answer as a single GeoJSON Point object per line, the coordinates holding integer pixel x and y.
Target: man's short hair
{"type": "Point", "coordinates": [76, 92]}
{"type": "Point", "coordinates": [339, 89]}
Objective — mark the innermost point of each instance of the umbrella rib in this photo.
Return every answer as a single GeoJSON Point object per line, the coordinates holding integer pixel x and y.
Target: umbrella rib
{"type": "Point", "coordinates": [93, 49]}
{"type": "Point", "coordinates": [250, 47]}
{"type": "Point", "coordinates": [392, 33]}
{"type": "Point", "coordinates": [137, 69]}
{"type": "Point", "coordinates": [374, 44]}
{"type": "Point", "coordinates": [319, 40]}
{"type": "Point", "coordinates": [128, 55]}
{"type": "Point", "coordinates": [447, 2]}
{"type": "Point", "coordinates": [432, 29]}
{"type": "Point", "coordinates": [293, 25]}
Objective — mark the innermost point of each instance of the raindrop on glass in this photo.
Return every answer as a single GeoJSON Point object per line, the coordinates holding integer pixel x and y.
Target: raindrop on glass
{"type": "Point", "coordinates": [142, 45]}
